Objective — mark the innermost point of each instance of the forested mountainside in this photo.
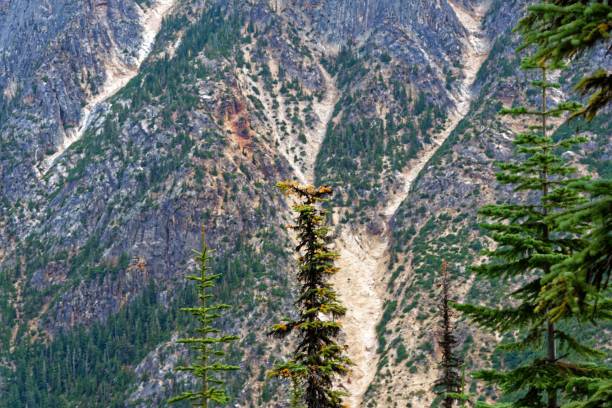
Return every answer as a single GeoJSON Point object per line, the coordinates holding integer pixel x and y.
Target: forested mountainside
{"type": "Point", "coordinates": [125, 125]}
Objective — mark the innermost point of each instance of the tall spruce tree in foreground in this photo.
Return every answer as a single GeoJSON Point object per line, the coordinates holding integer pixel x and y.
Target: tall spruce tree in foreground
{"type": "Point", "coordinates": [450, 384]}
{"type": "Point", "coordinates": [318, 360]}
{"type": "Point", "coordinates": [210, 341]}
{"type": "Point", "coordinates": [528, 245]}
{"type": "Point", "coordinates": [576, 290]}
{"type": "Point", "coordinates": [559, 30]}
{"type": "Point", "coordinates": [562, 29]}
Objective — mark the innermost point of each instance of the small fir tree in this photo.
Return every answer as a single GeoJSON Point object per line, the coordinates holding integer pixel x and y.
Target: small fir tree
{"type": "Point", "coordinates": [318, 360]}
{"type": "Point", "coordinates": [450, 384]}
{"type": "Point", "coordinates": [529, 245]}
{"type": "Point", "coordinates": [210, 340]}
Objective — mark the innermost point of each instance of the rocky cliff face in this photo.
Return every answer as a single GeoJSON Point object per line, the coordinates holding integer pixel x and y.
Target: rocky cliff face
{"type": "Point", "coordinates": [54, 54]}
{"type": "Point", "coordinates": [126, 125]}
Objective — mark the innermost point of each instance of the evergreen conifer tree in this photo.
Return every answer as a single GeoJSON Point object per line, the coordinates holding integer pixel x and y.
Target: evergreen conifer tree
{"type": "Point", "coordinates": [576, 290]}
{"type": "Point", "coordinates": [529, 244]}
{"type": "Point", "coordinates": [210, 340]}
{"type": "Point", "coordinates": [450, 384]}
{"type": "Point", "coordinates": [561, 29]}
{"type": "Point", "coordinates": [318, 360]}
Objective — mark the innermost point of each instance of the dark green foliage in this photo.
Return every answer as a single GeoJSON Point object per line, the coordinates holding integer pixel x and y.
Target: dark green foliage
{"type": "Point", "coordinates": [7, 311]}
{"type": "Point", "coordinates": [318, 360]}
{"type": "Point", "coordinates": [529, 245]}
{"type": "Point", "coordinates": [174, 80]}
{"type": "Point", "coordinates": [577, 287]}
{"type": "Point", "coordinates": [576, 290]}
{"type": "Point", "coordinates": [561, 29]}
{"type": "Point", "coordinates": [449, 383]}
{"type": "Point", "coordinates": [381, 327]}
{"type": "Point", "coordinates": [385, 58]}
{"type": "Point", "coordinates": [209, 342]}
{"type": "Point", "coordinates": [107, 352]}
{"type": "Point", "coordinates": [92, 364]}
{"type": "Point", "coordinates": [590, 391]}
{"type": "Point", "coordinates": [361, 151]}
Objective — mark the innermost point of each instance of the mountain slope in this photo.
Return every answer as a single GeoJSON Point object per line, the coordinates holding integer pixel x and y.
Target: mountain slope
{"type": "Point", "coordinates": [143, 120]}
{"type": "Point", "coordinates": [364, 257]}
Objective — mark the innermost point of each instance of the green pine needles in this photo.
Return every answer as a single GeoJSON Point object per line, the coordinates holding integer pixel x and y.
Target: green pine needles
{"type": "Point", "coordinates": [210, 341]}
{"type": "Point", "coordinates": [578, 287]}
{"type": "Point", "coordinates": [318, 360]}
{"type": "Point", "coordinates": [561, 29]}
{"type": "Point", "coordinates": [529, 245]}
